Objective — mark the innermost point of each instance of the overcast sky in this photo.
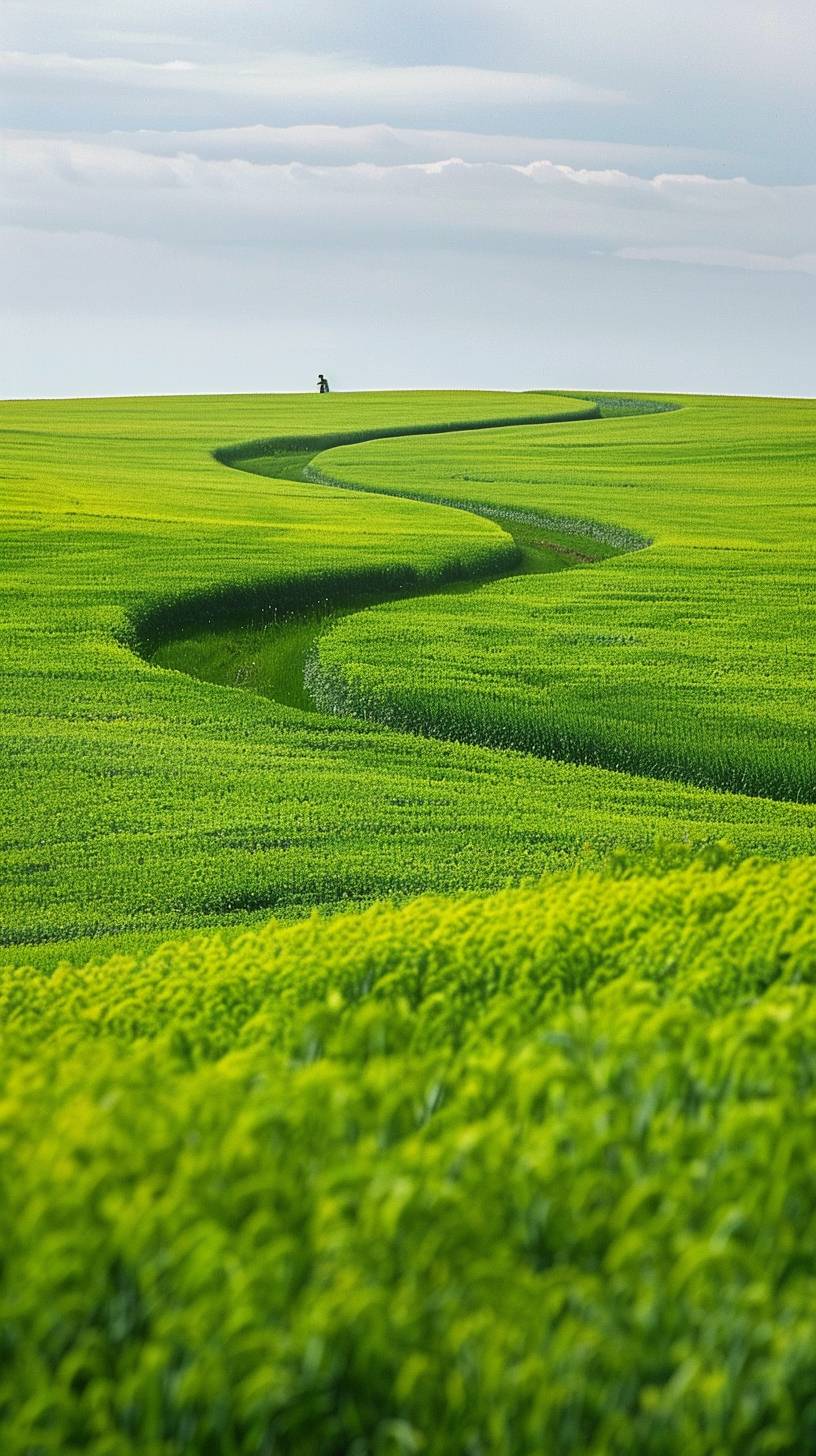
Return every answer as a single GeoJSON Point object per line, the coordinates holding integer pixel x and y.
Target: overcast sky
{"type": "Point", "coordinates": [481, 193]}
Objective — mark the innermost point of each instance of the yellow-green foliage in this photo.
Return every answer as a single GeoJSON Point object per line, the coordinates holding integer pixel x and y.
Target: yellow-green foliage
{"type": "Point", "coordinates": [136, 801]}
{"type": "Point", "coordinates": [535, 1173]}
{"type": "Point", "coordinates": [694, 659]}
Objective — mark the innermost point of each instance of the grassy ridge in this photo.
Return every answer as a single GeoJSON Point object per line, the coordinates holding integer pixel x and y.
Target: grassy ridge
{"type": "Point", "coordinates": [138, 801]}
{"type": "Point", "coordinates": [535, 1173]}
{"type": "Point", "coordinates": [694, 659]}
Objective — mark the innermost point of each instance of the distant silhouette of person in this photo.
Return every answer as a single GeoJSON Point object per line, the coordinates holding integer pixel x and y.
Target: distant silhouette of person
{"type": "Point", "coordinates": [322, 384]}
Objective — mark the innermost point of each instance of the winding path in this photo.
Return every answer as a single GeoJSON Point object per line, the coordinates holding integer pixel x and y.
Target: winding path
{"type": "Point", "coordinates": [264, 646]}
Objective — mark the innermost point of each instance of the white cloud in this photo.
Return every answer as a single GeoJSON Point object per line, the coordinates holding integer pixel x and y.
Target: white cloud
{"type": "Point", "coordinates": [188, 199]}
{"type": "Point", "coordinates": [183, 159]}
{"type": "Point", "coordinates": [325, 144]}
{"type": "Point", "coordinates": [724, 258]}
{"type": "Point", "coordinates": [750, 41]}
{"type": "Point", "coordinates": [734, 73]}
{"type": "Point", "coordinates": [743, 39]}
{"type": "Point", "coordinates": [304, 78]}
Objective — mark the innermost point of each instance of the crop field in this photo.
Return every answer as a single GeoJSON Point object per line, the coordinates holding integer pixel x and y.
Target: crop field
{"type": "Point", "coordinates": [408, 945]}
{"type": "Point", "coordinates": [140, 802]}
{"type": "Point", "coordinates": [693, 660]}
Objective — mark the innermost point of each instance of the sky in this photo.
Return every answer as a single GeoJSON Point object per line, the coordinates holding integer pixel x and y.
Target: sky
{"type": "Point", "coordinates": [517, 194]}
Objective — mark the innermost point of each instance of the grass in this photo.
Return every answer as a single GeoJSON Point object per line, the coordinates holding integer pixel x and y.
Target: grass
{"type": "Point", "coordinates": [530, 1173]}
{"type": "Point", "coordinates": [517, 1172]}
{"type": "Point", "coordinates": [268, 650]}
{"type": "Point", "coordinates": [139, 802]}
{"type": "Point", "coordinates": [693, 660]}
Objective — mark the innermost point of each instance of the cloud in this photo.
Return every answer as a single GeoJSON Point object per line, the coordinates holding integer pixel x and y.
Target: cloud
{"type": "Point", "coordinates": [750, 40]}
{"type": "Point", "coordinates": [197, 201]}
{"type": "Point", "coordinates": [352, 161]}
{"type": "Point", "coordinates": [723, 258]}
{"type": "Point", "coordinates": [299, 79]}
{"type": "Point", "coordinates": [332, 144]}
{"type": "Point", "coordinates": [737, 73]}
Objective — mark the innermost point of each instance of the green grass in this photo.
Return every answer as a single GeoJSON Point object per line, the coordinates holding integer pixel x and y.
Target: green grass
{"type": "Point", "coordinates": [138, 801]}
{"type": "Point", "coordinates": [268, 650]}
{"type": "Point", "coordinates": [530, 1174]}
{"type": "Point", "coordinates": [693, 660]}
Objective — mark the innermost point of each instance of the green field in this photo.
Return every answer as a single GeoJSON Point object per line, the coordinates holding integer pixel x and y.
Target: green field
{"type": "Point", "coordinates": [141, 802]}
{"type": "Point", "coordinates": [525, 1164]}
{"type": "Point", "coordinates": [693, 660]}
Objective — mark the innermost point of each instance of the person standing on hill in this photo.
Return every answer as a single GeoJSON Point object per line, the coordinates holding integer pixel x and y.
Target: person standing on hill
{"type": "Point", "coordinates": [322, 384]}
